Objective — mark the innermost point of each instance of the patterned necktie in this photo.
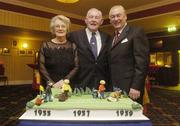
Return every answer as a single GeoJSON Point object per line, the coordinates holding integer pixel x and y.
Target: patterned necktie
{"type": "Point", "coordinates": [93, 44]}
{"type": "Point", "coordinates": [116, 35]}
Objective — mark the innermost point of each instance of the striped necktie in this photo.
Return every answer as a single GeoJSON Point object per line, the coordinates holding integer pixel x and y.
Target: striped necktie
{"type": "Point", "coordinates": [116, 35]}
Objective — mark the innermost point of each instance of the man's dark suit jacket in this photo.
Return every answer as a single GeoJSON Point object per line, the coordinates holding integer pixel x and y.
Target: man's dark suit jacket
{"type": "Point", "coordinates": [91, 70]}
{"type": "Point", "coordinates": [129, 60]}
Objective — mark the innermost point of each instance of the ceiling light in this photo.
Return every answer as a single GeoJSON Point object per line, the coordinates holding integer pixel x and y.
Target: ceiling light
{"type": "Point", "coordinates": [67, 1]}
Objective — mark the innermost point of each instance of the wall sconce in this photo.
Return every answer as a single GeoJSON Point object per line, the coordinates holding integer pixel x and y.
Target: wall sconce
{"type": "Point", "coordinates": [25, 45]}
{"type": "Point", "coordinates": [179, 51]}
{"type": "Point", "coordinates": [172, 29]}
{"type": "Point", "coordinates": [68, 1]}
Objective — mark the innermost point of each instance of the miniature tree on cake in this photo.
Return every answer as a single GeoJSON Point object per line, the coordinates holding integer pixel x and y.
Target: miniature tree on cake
{"type": "Point", "coordinates": [88, 91]}
{"type": "Point", "coordinates": [125, 94]}
{"type": "Point", "coordinates": [77, 92]}
{"type": "Point", "coordinates": [82, 91]}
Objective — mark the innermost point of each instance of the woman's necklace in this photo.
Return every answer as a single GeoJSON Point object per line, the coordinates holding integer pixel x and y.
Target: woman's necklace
{"type": "Point", "coordinates": [59, 42]}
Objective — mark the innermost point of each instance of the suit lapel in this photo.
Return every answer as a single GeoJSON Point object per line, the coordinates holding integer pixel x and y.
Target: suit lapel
{"type": "Point", "coordinates": [85, 42]}
{"type": "Point", "coordinates": [103, 39]}
{"type": "Point", "coordinates": [122, 35]}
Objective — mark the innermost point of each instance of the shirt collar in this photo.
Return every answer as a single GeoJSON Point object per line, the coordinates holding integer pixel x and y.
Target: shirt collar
{"type": "Point", "coordinates": [90, 33]}
{"type": "Point", "coordinates": [122, 28]}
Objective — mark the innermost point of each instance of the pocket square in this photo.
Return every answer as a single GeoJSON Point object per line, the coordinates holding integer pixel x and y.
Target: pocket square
{"type": "Point", "coordinates": [124, 40]}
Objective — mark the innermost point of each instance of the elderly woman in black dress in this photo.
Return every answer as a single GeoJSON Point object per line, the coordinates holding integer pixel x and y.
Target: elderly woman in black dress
{"type": "Point", "coordinates": [58, 57]}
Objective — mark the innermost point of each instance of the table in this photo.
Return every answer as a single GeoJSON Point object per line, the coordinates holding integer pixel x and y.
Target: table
{"type": "Point", "coordinates": [78, 123]}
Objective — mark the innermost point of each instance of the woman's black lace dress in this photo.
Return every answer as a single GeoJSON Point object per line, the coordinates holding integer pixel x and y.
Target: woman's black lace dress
{"type": "Point", "coordinates": [57, 61]}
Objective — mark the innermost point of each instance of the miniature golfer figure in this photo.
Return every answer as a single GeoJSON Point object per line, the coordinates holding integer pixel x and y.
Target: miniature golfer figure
{"type": "Point", "coordinates": [101, 89]}
{"type": "Point", "coordinates": [48, 92]}
{"type": "Point", "coordinates": [66, 88]}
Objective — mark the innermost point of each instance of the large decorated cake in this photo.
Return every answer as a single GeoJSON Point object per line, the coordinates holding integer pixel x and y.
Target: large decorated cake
{"type": "Point", "coordinates": [84, 107]}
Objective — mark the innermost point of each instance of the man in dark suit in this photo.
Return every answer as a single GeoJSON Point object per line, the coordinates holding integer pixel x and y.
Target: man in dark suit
{"type": "Point", "coordinates": [93, 46]}
{"type": "Point", "coordinates": [129, 55]}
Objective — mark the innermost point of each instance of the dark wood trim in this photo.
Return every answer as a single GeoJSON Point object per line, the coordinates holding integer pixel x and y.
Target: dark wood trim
{"type": "Point", "coordinates": [155, 11]}
{"type": "Point", "coordinates": [163, 34]}
{"type": "Point", "coordinates": [34, 12]}
{"type": "Point", "coordinates": [151, 12]}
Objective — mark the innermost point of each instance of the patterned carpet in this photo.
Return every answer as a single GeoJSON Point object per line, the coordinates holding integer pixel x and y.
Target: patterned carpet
{"type": "Point", "coordinates": [164, 109]}
{"type": "Point", "coordinates": [12, 103]}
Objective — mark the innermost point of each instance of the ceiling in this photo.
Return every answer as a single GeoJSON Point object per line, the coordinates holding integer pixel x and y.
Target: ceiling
{"type": "Point", "coordinates": [158, 14]}
{"type": "Point", "coordinates": [81, 7]}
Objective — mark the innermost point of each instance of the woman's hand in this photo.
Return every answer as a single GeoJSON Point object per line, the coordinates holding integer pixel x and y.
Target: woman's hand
{"type": "Point", "coordinates": [58, 84]}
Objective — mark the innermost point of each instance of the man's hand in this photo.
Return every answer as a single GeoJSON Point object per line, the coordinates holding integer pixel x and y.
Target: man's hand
{"type": "Point", "coordinates": [134, 94]}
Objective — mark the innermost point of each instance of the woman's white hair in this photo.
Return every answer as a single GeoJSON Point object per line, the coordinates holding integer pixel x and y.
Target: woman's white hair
{"type": "Point", "coordinates": [63, 18]}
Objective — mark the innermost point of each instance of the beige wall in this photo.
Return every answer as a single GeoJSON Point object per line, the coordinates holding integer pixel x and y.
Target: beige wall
{"type": "Point", "coordinates": [22, 28]}
{"type": "Point", "coordinates": [16, 65]}
{"type": "Point", "coordinates": [9, 18]}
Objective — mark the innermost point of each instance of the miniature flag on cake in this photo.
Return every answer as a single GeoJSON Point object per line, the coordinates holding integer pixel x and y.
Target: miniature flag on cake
{"type": "Point", "coordinates": [41, 88]}
{"type": "Point", "coordinates": [36, 80]}
{"type": "Point", "coordinates": [146, 99]}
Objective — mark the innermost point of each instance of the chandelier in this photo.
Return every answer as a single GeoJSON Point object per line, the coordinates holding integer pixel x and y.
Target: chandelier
{"type": "Point", "coordinates": [67, 1]}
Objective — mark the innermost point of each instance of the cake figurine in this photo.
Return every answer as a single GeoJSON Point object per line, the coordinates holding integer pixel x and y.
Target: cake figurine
{"type": "Point", "coordinates": [95, 93]}
{"type": "Point", "coordinates": [38, 100]}
{"type": "Point", "coordinates": [66, 89]}
{"type": "Point", "coordinates": [62, 97]}
{"type": "Point", "coordinates": [41, 90]}
{"type": "Point", "coordinates": [101, 89]}
{"type": "Point", "coordinates": [114, 96]}
{"type": "Point", "coordinates": [48, 92]}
